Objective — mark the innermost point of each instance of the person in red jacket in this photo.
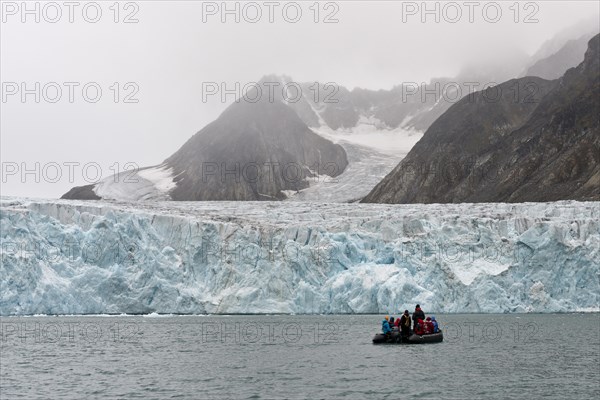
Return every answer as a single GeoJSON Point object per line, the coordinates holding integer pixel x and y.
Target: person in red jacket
{"type": "Point", "coordinates": [418, 314]}
{"type": "Point", "coordinates": [428, 326]}
{"type": "Point", "coordinates": [420, 327]}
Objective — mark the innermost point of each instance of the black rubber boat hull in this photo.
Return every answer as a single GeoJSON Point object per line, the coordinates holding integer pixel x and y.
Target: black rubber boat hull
{"type": "Point", "coordinates": [395, 338]}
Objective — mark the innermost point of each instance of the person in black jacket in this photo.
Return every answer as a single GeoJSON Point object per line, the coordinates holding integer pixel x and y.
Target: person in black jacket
{"type": "Point", "coordinates": [405, 324]}
{"type": "Point", "coordinates": [417, 315]}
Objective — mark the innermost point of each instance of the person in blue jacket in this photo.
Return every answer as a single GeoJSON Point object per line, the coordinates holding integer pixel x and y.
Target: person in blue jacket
{"type": "Point", "coordinates": [385, 326]}
{"type": "Point", "coordinates": [435, 324]}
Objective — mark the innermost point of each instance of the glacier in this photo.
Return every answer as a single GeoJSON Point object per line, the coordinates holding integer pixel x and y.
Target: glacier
{"type": "Point", "coordinates": [109, 257]}
{"type": "Point", "coordinates": [372, 154]}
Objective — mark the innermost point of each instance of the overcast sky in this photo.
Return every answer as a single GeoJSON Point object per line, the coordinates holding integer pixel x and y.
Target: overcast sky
{"type": "Point", "coordinates": [176, 46]}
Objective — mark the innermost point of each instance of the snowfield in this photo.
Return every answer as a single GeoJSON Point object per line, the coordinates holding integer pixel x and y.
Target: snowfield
{"type": "Point", "coordinates": [102, 257]}
{"type": "Point", "coordinates": [372, 154]}
{"type": "Point", "coordinates": [151, 183]}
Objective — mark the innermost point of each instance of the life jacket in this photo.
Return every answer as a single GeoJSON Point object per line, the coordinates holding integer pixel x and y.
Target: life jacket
{"type": "Point", "coordinates": [406, 320]}
{"type": "Point", "coordinates": [418, 314]}
{"type": "Point", "coordinates": [419, 329]}
{"type": "Point", "coordinates": [428, 327]}
{"type": "Point", "coordinates": [385, 326]}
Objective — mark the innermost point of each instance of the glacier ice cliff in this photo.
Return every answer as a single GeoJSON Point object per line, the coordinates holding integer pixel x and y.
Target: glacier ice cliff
{"type": "Point", "coordinates": [78, 257]}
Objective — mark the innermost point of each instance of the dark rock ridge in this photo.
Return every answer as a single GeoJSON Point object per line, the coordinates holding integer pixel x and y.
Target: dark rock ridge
{"type": "Point", "coordinates": [253, 151]}
{"type": "Point", "coordinates": [82, 193]}
{"type": "Point", "coordinates": [410, 105]}
{"type": "Point", "coordinates": [555, 65]}
{"type": "Point", "coordinates": [416, 105]}
{"type": "Point", "coordinates": [539, 141]}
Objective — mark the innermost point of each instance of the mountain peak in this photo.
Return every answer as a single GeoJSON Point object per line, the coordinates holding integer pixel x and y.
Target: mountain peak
{"type": "Point", "coordinates": [538, 141]}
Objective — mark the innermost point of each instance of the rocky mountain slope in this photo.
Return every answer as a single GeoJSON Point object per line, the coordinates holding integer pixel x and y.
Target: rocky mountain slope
{"type": "Point", "coordinates": [263, 151]}
{"type": "Point", "coordinates": [555, 65]}
{"type": "Point", "coordinates": [411, 106]}
{"type": "Point", "coordinates": [253, 151]}
{"type": "Point", "coordinates": [526, 140]}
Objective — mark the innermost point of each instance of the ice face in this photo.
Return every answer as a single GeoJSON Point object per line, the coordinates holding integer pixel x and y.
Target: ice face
{"type": "Point", "coordinates": [76, 257]}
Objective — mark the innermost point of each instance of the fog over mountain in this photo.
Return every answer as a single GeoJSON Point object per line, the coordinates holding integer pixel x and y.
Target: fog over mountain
{"type": "Point", "coordinates": [253, 151]}
{"type": "Point", "coordinates": [585, 28]}
{"type": "Point", "coordinates": [554, 66]}
{"type": "Point", "coordinates": [370, 48]}
{"type": "Point", "coordinates": [286, 144]}
{"type": "Point", "coordinates": [528, 139]}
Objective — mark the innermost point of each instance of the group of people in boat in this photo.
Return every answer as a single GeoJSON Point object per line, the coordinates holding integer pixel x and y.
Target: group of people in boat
{"type": "Point", "coordinates": [419, 324]}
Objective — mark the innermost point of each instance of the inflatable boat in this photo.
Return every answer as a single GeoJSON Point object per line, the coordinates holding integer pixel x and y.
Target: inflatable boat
{"type": "Point", "coordinates": [395, 338]}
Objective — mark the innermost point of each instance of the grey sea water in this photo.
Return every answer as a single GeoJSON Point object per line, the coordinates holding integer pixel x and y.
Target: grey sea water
{"type": "Point", "coordinates": [298, 357]}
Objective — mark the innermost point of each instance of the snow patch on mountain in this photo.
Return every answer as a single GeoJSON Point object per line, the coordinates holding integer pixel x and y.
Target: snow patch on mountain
{"type": "Point", "coordinates": [161, 177]}
{"type": "Point", "coordinates": [152, 183]}
{"type": "Point", "coordinates": [396, 142]}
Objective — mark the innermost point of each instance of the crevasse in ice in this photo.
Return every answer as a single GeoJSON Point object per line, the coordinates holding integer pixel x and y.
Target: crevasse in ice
{"type": "Point", "coordinates": [75, 257]}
